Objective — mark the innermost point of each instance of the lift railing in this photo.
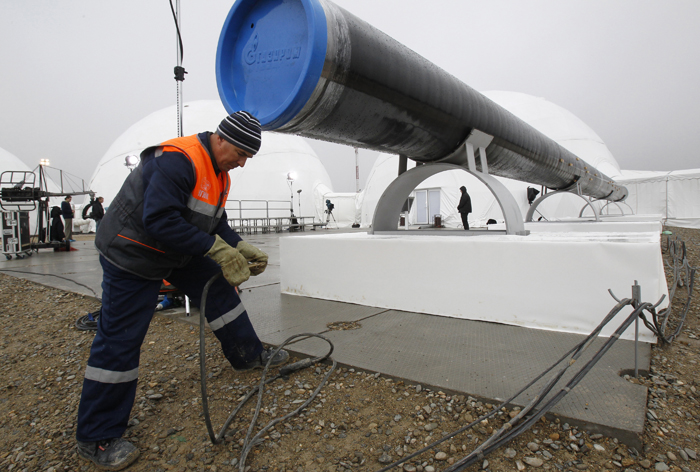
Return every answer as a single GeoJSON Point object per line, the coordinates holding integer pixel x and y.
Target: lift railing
{"type": "Point", "coordinates": [266, 216]}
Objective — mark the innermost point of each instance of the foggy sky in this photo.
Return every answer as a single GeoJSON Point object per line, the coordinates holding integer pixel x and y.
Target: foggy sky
{"type": "Point", "coordinates": [77, 73]}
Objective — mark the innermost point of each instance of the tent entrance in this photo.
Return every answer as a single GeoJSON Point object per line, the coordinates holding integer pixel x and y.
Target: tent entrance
{"type": "Point", "coordinates": [427, 205]}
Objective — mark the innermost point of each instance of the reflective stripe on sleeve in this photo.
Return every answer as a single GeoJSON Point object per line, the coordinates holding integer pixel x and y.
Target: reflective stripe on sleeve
{"type": "Point", "coordinates": [226, 318]}
{"type": "Point", "coordinates": [110, 376]}
{"type": "Point", "coordinates": [202, 207]}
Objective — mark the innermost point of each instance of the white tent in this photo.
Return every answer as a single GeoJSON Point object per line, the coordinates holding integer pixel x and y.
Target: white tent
{"type": "Point", "coordinates": [345, 211]}
{"type": "Point", "coordinates": [674, 195]}
{"type": "Point", "coordinates": [261, 188]}
{"type": "Point", "coordinates": [10, 162]}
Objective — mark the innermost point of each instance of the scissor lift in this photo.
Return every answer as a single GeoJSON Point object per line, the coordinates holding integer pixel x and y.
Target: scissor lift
{"type": "Point", "coordinates": [20, 195]}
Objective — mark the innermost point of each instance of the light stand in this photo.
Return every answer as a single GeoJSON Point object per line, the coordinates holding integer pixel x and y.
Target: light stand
{"type": "Point", "coordinates": [291, 176]}
{"type": "Point", "coordinates": [299, 197]}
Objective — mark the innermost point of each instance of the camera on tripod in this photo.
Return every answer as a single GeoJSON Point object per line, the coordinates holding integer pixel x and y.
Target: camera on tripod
{"type": "Point", "coordinates": [329, 211]}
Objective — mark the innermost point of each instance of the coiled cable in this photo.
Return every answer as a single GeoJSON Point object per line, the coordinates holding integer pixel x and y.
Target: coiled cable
{"type": "Point", "coordinates": [249, 442]}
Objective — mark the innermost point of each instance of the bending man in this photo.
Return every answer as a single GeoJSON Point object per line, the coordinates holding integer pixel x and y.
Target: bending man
{"type": "Point", "coordinates": [168, 215]}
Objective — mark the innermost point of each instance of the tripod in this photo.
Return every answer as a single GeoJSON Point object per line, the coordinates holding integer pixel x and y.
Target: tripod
{"type": "Point", "coordinates": [329, 215]}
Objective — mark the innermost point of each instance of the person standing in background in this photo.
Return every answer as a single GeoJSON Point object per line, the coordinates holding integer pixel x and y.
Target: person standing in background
{"type": "Point", "coordinates": [67, 212]}
{"type": "Point", "coordinates": [98, 212]}
{"type": "Point", "coordinates": [465, 206]}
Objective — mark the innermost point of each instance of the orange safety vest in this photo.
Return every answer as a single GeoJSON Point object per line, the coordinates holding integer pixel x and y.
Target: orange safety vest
{"type": "Point", "coordinates": [122, 239]}
{"type": "Point", "coordinates": [210, 191]}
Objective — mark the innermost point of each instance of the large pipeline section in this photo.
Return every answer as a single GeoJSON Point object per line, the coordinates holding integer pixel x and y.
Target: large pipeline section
{"type": "Point", "coordinates": [311, 68]}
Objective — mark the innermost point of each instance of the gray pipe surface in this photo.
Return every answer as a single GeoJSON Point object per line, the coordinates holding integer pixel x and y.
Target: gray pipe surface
{"type": "Point", "coordinates": [370, 91]}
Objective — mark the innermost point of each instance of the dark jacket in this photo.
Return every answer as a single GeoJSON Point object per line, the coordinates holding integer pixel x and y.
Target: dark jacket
{"type": "Point", "coordinates": [149, 229]}
{"type": "Point", "coordinates": [465, 204]}
{"type": "Point", "coordinates": [56, 231]}
{"type": "Point", "coordinates": [66, 210]}
{"type": "Point", "coordinates": [98, 211]}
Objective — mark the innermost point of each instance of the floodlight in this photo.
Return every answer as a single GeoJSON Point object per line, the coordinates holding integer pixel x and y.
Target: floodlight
{"type": "Point", "coordinates": [291, 176]}
{"type": "Point", "coordinates": [44, 162]}
{"type": "Point", "coordinates": [131, 161]}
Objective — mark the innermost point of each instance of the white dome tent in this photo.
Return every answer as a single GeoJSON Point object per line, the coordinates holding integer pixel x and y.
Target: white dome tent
{"type": "Point", "coordinates": [10, 162]}
{"type": "Point", "coordinates": [264, 177]}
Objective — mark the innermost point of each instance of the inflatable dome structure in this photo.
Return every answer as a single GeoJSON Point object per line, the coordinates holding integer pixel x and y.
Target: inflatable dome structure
{"type": "Point", "coordinates": [263, 179]}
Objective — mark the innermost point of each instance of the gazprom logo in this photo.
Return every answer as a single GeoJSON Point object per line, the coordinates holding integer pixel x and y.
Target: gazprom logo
{"type": "Point", "coordinates": [253, 56]}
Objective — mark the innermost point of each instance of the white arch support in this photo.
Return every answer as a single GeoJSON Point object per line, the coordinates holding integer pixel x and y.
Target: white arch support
{"type": "Point", "coordinates": [536, 203]}
{"type": "Point", "coordinates": [619, 206]}
{"type": "Point", "coordinates": [386, 216]}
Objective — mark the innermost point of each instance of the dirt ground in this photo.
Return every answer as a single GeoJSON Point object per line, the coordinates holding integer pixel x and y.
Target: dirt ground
{"type": "Point", "coordinates": [360, 421]}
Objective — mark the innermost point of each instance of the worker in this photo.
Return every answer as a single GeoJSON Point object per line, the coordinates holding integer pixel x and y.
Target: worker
{"type": "Point", "coordinates": [464, 207]}
{"type": "Point", "coordinates": [168, 222]}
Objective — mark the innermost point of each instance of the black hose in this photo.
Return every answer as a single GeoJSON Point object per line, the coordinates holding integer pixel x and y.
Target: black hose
{"type": "Point", "coordinates": [249, 442]}
{"type": "Point", "coordinates": [657, 326]}
{"type": "Point", "coordinates": [522, 427]}
{"type": "Point", "coordinates": [577, 350]}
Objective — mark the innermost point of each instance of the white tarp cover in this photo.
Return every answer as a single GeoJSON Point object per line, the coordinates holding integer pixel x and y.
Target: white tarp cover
{"type": "Point", "coordinates": [552, 281]}
{"type": "Point", "coordinates": [673, 195]}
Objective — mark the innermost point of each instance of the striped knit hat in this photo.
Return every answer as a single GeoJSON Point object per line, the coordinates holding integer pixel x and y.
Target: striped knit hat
{"type": "Point", "coordinates": [242, 130]}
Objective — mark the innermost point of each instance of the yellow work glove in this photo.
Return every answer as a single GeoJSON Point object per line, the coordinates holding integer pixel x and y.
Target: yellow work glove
{"type": "Point", "coordinates": [233, 264]}
{"type": "Point", "coordinates": [254, 255]}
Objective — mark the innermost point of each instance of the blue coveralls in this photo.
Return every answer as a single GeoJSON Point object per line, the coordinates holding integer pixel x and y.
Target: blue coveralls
{"type": "Point", "coordinates": [128, 302]}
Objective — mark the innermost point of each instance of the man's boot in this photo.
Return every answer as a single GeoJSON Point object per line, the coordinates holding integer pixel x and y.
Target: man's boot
{"type": "Point", "coordinates": [109, 454]}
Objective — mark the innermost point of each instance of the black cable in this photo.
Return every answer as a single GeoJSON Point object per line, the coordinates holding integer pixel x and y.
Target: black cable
{"type": "Point", "coordinates": [177, 27]}
{"type": "Point", "coordinates": [578, 350]}
{"type": "Point", "coordinates": [89, 321]}
{"type": "Point", "coordinates": [52, 275]}
{"type": "Point", "coordinates": [498, 439]}
{"type": "Point", "coordinates": [521, 428]}
{"type": "Point", "coordinates": [679, 264]}
{"type": "Point", "coordinates": [249, 442]}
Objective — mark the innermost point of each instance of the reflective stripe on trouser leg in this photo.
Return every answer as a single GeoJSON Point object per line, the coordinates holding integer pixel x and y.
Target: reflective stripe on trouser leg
{"type": "Point", "coordinates": [225, 313]}
{"type": "Point", "coordinates": [109, 388]}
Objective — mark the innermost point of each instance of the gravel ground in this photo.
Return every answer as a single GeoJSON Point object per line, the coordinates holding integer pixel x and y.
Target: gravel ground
{"type": "Point", "coordinates": [359, 421]}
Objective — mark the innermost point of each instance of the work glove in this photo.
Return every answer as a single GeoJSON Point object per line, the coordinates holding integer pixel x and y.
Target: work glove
{"type": "Point", "coordinates": [233, 264]}
{"type": "Point", "coordinates": [254, 255]}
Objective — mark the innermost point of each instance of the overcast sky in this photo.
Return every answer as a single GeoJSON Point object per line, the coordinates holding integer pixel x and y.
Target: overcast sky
{"type": "Point", "coordinates": [77, 73]}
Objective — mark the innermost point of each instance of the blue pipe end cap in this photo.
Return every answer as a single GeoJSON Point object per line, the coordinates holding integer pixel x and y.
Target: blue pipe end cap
{"type": "Point", "coordinates": [270, 58]}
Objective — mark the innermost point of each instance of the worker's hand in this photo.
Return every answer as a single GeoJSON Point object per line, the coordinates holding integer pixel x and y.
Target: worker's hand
{"type": "Point", "coordinates": [254, 255]}
{"type": "Point", "coordinates": [233, 264]}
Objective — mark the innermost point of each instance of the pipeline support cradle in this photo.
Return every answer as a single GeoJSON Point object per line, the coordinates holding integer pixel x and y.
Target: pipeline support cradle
{"type": "Point", "coordinates": [393, 198]}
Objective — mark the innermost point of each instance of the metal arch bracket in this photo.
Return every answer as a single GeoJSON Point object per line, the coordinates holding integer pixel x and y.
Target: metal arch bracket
{"type": "Point", "coordinates": [392, 200]}
{"type": "Point", "coordinates": [536, 203]}
{"type": "Point", "coordinates": [617, 204]}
